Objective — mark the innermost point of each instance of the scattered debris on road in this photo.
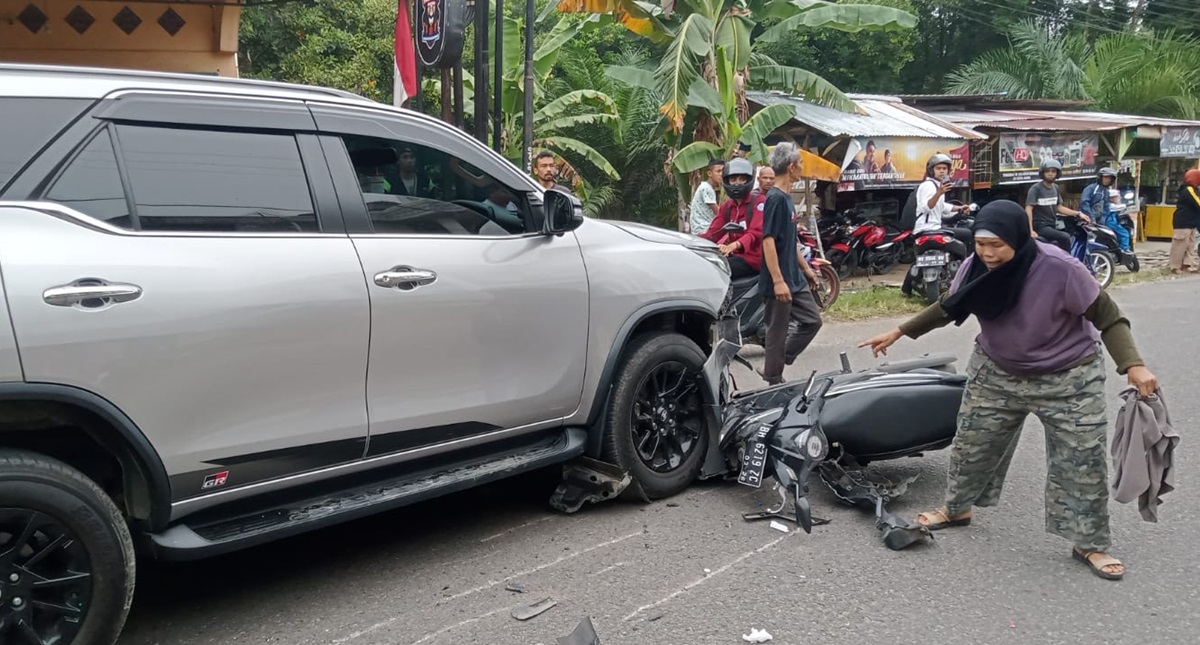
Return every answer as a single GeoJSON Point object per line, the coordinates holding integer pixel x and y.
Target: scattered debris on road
{"type": "Point", "coordinates": [537, 608]}
{"type": "Point", "coordinates": [518, 587]}
{"type": "Point", "coordinates": [782, 528]}
{"type": "Point", "coordinates": [757, 636]}
{"type": "Point", "coordinates": [584, 634]}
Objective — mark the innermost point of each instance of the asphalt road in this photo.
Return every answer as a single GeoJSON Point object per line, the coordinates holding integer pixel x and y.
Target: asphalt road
{"type": "Point", "coordinates": [690, 571]}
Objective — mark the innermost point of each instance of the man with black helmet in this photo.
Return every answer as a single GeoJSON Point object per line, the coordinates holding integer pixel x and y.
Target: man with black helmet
{"type": "Point", "coordinates": [1094, 202]}
{"type": "Point", "coordinates": [1042, 204]}
{"type": "Point", "coordinates": [744, 249]}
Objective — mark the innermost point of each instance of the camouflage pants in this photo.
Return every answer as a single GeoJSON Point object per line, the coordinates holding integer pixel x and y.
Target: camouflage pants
{"type": "Point", "coordinates": [1071, 406]}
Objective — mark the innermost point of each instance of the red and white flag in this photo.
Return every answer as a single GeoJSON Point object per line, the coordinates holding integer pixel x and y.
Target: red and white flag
{"type": "Point", "coordinates": [405, 68]}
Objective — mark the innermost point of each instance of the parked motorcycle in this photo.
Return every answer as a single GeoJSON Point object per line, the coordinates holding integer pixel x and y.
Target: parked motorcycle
{"type": "Point", "coordinates": [871, 246]}
{"type": "Point", "coordinates": [748, 302]}
{"type": "Point", "coordinates": [835, 424]}
{"type": "Point", "coordinates": [939, 256]}
{"type": "Point", "coordinates": [829, 285]}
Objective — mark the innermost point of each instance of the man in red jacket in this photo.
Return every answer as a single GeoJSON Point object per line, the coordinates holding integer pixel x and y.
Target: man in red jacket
{"type": "Point", "coordinates": [743, 248]}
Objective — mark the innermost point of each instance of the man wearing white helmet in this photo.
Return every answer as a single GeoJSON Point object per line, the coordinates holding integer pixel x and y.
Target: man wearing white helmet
{"type": "Point", "coordinates": [933, 212]}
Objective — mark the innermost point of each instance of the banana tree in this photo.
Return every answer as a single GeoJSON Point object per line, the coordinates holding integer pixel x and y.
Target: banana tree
{"type": "Point", "coordinates": [710, 62]}
{"type": "Point", "coordinates": [558, 116]}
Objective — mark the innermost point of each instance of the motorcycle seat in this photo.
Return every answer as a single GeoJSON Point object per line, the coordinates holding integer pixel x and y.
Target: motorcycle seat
{"type": "Point", "coordinates": [866, 424]}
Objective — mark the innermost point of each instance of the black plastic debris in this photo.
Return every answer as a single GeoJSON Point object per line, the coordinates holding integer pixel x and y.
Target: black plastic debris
{"type": "Point", "coordinates": [518, 587]}
{"type": "Point", "coordinates": [853, 488]}
{"type": "Point", "coordinates": [584, 634]}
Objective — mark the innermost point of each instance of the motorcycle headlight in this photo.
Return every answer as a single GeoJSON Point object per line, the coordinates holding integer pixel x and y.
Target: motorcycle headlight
{"type": "Point", "coordinates": [812, 445]}
{"type": "Point", "coordinates": [714, 258]}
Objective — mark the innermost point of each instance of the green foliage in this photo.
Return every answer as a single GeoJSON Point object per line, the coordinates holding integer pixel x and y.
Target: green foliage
{"type": "Point", "coordinates": [869, 63]}
{"type": "Point", "coordinates": [1150, 73]}
{"type": "Point", "coordinates": [345, 44]}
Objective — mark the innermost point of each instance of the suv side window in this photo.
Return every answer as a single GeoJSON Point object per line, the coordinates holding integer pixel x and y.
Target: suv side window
{"type": "Point", "coordinates": [216, 180]}
{"type": "Point", "coordinates": [29, 124]}
{"type": "Point", "coordinates": [91, 183]}
{"type": "Point", "coordinates": [411, 189]}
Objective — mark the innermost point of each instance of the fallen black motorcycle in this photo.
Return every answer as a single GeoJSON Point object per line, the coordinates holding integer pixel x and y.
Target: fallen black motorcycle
{"type": "Point", "coordinates": [837, 423]}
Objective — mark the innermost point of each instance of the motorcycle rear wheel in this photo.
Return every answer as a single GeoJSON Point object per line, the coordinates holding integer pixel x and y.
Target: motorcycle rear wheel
{"type": "Point", "coordinates": [933, 291]}
{"type": "Point", "coordinates": [1133, 264]}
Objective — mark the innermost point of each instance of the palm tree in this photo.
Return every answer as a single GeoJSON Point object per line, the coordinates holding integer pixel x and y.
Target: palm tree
{"type": "Point", "coordinates": [1036, 64]}
{"type": "Point", "coordinates": [1148, 73]}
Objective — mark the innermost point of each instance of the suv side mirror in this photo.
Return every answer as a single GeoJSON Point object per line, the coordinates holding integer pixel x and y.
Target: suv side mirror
{"type": "Point", "coordinates": [564, 212]}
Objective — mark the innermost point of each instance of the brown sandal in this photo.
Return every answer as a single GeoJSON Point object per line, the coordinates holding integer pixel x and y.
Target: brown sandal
{"type": "Point", "coordinates": [1097, 560]}
{"type": "Point", "coordinates": [940, 519]}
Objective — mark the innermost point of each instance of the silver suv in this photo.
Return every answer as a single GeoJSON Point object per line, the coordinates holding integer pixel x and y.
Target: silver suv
{"type": "Point", "coordinates": [241, 310]}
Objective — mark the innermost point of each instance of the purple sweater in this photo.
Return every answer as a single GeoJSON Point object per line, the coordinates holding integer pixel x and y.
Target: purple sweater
{"type": "Point", "coordinates": [1046, 332]}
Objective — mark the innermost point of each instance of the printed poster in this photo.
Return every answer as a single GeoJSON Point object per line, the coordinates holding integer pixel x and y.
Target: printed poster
{"type": "Point", "coordinates": [1021, 154]}
{"type": "Point", "coordinates": [899, 162]}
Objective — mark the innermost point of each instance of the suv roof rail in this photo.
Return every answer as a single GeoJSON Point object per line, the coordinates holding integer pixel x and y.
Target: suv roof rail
{"type": "Point", "coordinates": [202, 79]}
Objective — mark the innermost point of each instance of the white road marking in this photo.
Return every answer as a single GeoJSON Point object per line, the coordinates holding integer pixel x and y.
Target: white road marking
{"type": "Point", "coordinates": [493, 583]}
{"type": "Point", "coordinates": [607, 569]}
{"type": "Point", "coordinates": [701, 580]}
{"type": "Point", "coordinates": [457, 625]}
{"type": "Point", "coordinates": [515, 528]}
{"type": "Point", "coordinates": [489, 585]}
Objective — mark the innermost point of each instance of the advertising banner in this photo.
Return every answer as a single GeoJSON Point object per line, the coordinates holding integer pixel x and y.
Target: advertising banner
{"type": "Point", "coordinates": [1180, 142]}
{"type": "Point", "coordinates": [898, 162]}
{"type": "Point", "coordinates": [1021, 155]}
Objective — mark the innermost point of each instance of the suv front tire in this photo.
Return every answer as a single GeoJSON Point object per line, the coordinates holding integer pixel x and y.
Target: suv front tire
{"type": "Point", "coordinates": [655, 427]}
{"type": "Point", "coordinates": [66, 556]}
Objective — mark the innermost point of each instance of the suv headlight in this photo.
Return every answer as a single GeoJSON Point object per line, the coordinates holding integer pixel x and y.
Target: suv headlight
{"type": "Point", "coordinates": [714, 257]}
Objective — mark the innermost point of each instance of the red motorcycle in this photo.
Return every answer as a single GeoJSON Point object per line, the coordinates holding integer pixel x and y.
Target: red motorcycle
{"type": "Point", "coordinates": [871, 246]}
{"type": "Point", "coordinates": [829, 285]}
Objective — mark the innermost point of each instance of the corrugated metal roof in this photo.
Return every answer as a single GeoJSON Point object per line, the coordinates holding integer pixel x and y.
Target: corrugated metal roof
{"type": "Point", "coordinates": [1055, 120]}
{"type": "Point", "coordinates": [885, 116]}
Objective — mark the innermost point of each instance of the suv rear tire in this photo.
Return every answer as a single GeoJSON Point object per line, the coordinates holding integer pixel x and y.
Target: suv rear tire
{"type": "Point", "coordinates": [56, 524]}
{"type": "Point", "coordinates": [655, 426]}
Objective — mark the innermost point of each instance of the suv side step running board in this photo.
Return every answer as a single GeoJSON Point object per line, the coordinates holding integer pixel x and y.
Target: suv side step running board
{"type": "Point", "coordinates": [187, 542]}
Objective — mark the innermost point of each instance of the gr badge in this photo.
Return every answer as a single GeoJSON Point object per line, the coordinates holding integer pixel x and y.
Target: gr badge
{"type": "Point", "coordinates": [215, 480]}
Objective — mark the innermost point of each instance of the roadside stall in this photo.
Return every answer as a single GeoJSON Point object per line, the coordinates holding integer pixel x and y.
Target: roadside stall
{"type": "Point", "coordinates": [880, 151]}
{"type": "Point", "coordinates": [1150, 153]}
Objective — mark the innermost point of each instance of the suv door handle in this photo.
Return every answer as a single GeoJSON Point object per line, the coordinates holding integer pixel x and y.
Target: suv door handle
{"type": "Point", "coordinates": [91, 290]}
{"type": "Point", "coordinates": [405, 278]}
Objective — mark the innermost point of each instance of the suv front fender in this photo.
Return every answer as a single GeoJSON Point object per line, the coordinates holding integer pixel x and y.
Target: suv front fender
{"type": "Point", "coordinates": [691, 317]}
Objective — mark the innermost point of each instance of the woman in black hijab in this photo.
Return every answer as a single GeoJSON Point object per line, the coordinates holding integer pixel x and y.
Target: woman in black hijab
{"type": "Point", "coordinates": [1042, 317]}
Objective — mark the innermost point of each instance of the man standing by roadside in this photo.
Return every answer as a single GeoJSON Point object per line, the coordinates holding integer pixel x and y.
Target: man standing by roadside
{"type": "Point", "coordinates": [790, 297]}
{"type": "Point", "coordinates": [704, 200]}
{"type": "Point", "coordinates": [1044, 202]}
{"type": "Point", "coordinates": [766, 181]}
{"type": "Point", "coordinates": [1185, 221]}
{"type": "Point", "coordinates": [545, 170]}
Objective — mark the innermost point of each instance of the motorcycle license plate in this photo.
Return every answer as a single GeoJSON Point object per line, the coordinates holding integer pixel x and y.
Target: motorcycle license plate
{"type": "Point", "coordinates": [931, 260]}
{"type": "Point", "coordinates": [754, 461]}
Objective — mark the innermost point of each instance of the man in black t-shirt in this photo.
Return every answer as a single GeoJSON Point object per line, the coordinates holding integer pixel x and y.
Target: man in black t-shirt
{"type": "Point", "coordinates": [1043, 203]}
{"type": "Point", "coordinates": [786, 280]}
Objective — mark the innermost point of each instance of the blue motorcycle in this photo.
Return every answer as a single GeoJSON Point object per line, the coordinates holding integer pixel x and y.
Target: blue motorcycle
{"type": "Point", "coordinates": [1094, 255]}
